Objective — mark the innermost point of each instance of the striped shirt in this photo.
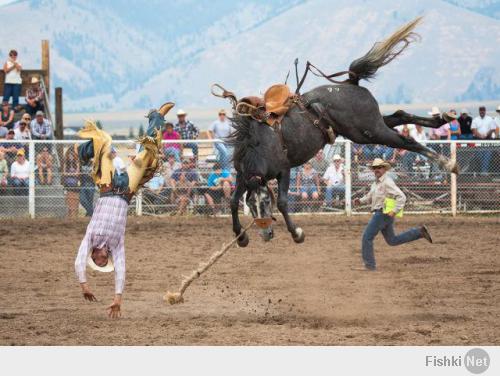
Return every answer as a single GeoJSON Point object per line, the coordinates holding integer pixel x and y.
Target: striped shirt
{"type": "Point", "coordinates": [106, 228]}
{"type": "Point", "coordinates": [43, 129]}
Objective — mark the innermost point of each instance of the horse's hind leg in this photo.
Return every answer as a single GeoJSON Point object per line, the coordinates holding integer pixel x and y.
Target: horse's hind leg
{"type": "Point", "coordinates": [283, 185]}
{"type": "Point", "coordinates": [235, 203]}
{"type": "Point", "coordinates": [401, 117]}
{"type": "Point", "coordinates": [395, 140]}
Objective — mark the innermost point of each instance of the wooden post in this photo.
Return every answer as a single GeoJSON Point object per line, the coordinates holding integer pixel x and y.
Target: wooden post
{"type": "Point", "coordinates": [453, 179]}
{"type": "Point", "coordinates": [31, 190]}
{"type": "Point", "coordinates": [46, 64]}
{"type": "Point", "coordinates": [59, 131]}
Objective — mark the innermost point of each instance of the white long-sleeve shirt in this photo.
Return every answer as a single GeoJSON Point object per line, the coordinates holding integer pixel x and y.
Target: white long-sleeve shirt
{"type": "Point", "coordinates": [106, 228]}
{"type": "Point", "coordinates": [382, 188]}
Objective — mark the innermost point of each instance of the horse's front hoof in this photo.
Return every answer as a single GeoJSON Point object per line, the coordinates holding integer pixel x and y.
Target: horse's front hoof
{"type": "Point", "coordinates": [299, 236]}
{"type": "Point", "coordinates": [243, 240]}
{"type": "Point", "coordinates": [267, 234]}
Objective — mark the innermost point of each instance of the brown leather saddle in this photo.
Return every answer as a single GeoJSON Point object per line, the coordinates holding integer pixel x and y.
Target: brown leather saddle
{"type": "Point", "coordinates": [270, 108]}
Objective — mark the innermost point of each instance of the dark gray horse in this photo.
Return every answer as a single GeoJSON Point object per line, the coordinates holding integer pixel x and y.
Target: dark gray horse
{"type": "Point", "coordinates": [262, 154]}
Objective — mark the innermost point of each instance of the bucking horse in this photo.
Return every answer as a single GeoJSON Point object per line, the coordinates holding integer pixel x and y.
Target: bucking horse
{"type": "Point", "coordinates": [269, 137]}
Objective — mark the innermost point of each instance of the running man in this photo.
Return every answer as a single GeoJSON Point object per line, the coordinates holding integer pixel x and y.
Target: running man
{"type": "Point", "coordinates": [103, 247]}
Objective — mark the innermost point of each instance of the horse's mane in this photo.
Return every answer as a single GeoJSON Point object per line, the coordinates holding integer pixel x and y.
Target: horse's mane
{"type": "Point", "coordinates": [244, 140]}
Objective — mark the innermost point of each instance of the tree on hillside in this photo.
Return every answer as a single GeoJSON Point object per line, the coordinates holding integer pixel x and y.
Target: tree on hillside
{"type": "Point", "coordinates": [98, 124]}
{"type": "Point", "coordinates": [141, 130]}
{"type": "Point", "coordinates": [131, 133]}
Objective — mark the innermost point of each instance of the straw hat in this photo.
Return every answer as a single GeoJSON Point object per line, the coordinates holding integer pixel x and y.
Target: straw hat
{"type": "Point", "coordinates": [337, 157]}
{"type": "Point", "coordinates": [104, 269]}
{"type": "Point", "coordinates": [498, 109]}
{"type": "Point", "coordinates": [35, 80]}
{"type": "Point", "coordinates": [434, 111]}
{"type": "Point", "coordinates": [222, 112]}
{"type": "Point", "coordinates": [181, 112]}
{"type": "Point", "coordinates": [378, 162]}
{"type": "Point", "coordinates": [464, 111]}
{"type": "Point", "coordinates": [20, 152]}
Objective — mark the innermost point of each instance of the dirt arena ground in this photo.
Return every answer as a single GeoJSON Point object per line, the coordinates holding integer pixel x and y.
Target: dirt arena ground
{"type": "Point", "coordinates": [277, 293]}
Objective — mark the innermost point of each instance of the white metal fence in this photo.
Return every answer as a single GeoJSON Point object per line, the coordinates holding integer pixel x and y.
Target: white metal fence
{"type": "Point", "coordinates": [54, 190]}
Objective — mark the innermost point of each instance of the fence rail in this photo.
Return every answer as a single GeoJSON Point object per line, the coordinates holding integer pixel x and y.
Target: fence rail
{"type": "Point", "coordinates": [49, 190]}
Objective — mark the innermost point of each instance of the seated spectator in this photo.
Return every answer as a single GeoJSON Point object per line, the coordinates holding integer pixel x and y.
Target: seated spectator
{"type": "Point", "coordinates": [44, 165]}
{"type": "Point", "coordinates": [319, 163]}
{"type": "Point", "coordinates": [455, 131]}
{"type": "Point", "coordinates": [13, 80]}
{"type": "Point", "coordinates": [465, 122]}
{"type": "Point", "coordinates": [219, 186]}
{"type": "Point", "coordinates": [404, 156]}
{"type": "Point", "coordinates": [308, 183]}
{"type": "Point", "coordinates": [293, 191]}
{"type": "Point", "coordinates": [484, 127]}
{"type": "Point", "coordinates": [7, 117]}
{"type": "Point", "coordinates": [41, 128]}
{"type": "Point", "coordinates": [23, 132]}
{"type": "Point", "coordinates": [154, 190]}
{"type": "Point", "coordinates": [9, 148]}
{"type": "Point", "coordinates": [26, 118]}
{"type": "Point", "coordinates": [4, 171]}
{"type": "Point", "coordinates": [34, 97]}
{"type": "Point", "coordinates": [183, 182]}
{"type": "Point", "coordinates": [334, 178]}
{"type": "Point", "coordinates": [188, 131]}
{"type": "Point", "coordinates": [172, 148]}
{"type": "Point", "coordinates": [418, 134]}
{"type": "Point", "coordinates": [20, 174]}
{"type": "Point", "coordinates": [71, 180]}
{"type": "Point", "coordinates": [221, 129]}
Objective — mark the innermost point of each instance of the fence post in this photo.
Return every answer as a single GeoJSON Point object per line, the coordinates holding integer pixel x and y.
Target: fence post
{"type": "Point", "coordinates": [453, 180]}
{"type": "Point", "coordinates": [348, 178]}
{"type": "Point", "coordinates": [138, 203]}
{"type": "Point", "coordinates": [31, 194]}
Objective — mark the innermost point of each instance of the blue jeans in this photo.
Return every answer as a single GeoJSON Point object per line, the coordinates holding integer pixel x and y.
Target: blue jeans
{"type": "Point", "coordinates": [194, 147]}
{"type": "Point", "coordinates": [224, 155]}
{"type": "Point", "coordinates": [12, 90]}
{"type": "Point", "coordinates": [333, 190]}
{"type": "Point", "coordinates": [87, 198]}
{"type": "Point", "coordinates": [408, 160]}
{"type": "Point", "coordinates": [173, 151]}
{"type": "Point", "coordinates": [385, 224]}
{"type": "Point", "coordinates": [485, 156]}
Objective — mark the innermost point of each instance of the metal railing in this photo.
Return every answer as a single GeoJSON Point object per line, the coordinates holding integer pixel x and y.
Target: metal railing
{"type": "Point", "coordinates": [428, 189]}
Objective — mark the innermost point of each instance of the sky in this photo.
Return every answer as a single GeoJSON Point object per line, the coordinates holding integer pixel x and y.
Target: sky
{"type": "Point", "coordinates": [3, 2]}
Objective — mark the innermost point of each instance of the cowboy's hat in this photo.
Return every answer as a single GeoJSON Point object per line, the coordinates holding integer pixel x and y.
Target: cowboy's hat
{"type": "Point", "coordinates": [181, 112]}
{"type": "Point", "coordinates": [104, 269]}
{"type": "Point", "coordinates": [378, 162]}
{"type": "Point", "coordinates": [35, 80]}
{"type": "Point", "coordinates": [464, 111]}
{"type": "Point", "coordinates": [498, 109]}
{"type": "Point", "coordinates": [434, 111]}
{"type": "Point", "coordinates": [337, 157]}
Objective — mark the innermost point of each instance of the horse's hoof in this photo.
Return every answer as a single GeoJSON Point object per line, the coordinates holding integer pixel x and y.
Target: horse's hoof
{"type": "Point", "coordinates": [243, 240]}
{"type": "Point", "coordinates": [267, 234]}
{"type": "Point", "coordinates": [299, 235]}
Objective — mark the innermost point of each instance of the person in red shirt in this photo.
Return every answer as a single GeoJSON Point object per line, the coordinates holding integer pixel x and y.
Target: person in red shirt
{"type": "Point", "coordinates": [172, 148]}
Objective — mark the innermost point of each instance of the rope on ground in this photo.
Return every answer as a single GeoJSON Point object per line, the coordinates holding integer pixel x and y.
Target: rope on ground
{"type": "Point", "coordinates": [178, 297]}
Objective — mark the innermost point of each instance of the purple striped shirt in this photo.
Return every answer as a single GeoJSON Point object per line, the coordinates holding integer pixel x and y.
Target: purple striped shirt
{"type": "Point", "coordinates": [106, 228]}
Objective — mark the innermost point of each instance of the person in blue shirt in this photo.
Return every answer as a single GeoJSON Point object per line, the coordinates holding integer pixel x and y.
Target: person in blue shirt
{"type": "Point", "coordinates": [219, 185]}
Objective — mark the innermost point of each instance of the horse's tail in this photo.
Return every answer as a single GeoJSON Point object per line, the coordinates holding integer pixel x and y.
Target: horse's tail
{"type": "Point", "coordinates": [383, 53]}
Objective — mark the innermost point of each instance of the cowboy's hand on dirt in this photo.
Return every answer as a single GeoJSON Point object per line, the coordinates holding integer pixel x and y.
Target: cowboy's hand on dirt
{"type": "Point", "coordinates": [114, 310]}
{"type": "Point", "coordinates": [87, 294]}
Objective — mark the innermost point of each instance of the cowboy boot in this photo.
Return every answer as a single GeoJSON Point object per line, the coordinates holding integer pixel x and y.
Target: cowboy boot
{"type": "Point", "coordinates": [156, 119]}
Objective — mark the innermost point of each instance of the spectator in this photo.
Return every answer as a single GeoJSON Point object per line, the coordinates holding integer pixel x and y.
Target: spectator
{"type": "Point", "coordinates": [319, 163]}
{"type": "Point", "coordinates": [183, 182]}
{"type": "Point", "coordinates": [418, 134]}
{"type": "Point", "coordinates": [188, 131]}
{"type": "Point", "coordinates": [7, 117]}
{"type": "Point", "coordinates": [407, 158]}
{"type": "Point", "coordinates": [4, 171]}
{"type": "Point", "coordinates": [497, 121]}
{"type": "Point", "coordinates": [26, 118]}
{"type": "Point", "coordinates": [465, 122]}
{"type": "Point", "coordinates": [118, 163]}
{"type": "Point", "coordinates": [483, 127]}
{"type": "Point", "coordinates": [44, 165]}
{"type": "Point", "coordinates": [9, 148]}
{"type": "Point", "coordinates": [334, 178]}
{"type": "Point", "coordinates": [219, 186]}
{"type": "Point", "coordinates": [20, 173]}
{"type": "Point", "coordinates": [71, 180]}
{"type": "Point", "coordinates": [308, 183]}
{"type": "Point", "coordinates": [221, 129]}
{"type": "Point", "coordinates": [87, 189]}
{"type": "Point", "coordinates": [293, 192]}
{"type": "Point", "coordinates": [172, 149]}
{"type": "Point", "coordinates": [455, 131]}
{"type": "Point", "coordinates": [13, 81]}
{"type": "Point", "coordinates": [167, 170]}
{"type": "Point", "coordinates": [154, 190]}
{"type": "Point", "coordinates": [41, 128]}
{"type": "Point", "coordinates": [34, 97]}
{"type": "Point", "coordinates": [23, 132]}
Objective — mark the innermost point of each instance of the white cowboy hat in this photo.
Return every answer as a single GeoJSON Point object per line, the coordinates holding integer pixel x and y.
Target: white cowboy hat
{"type": "Point", "coordinates": [337, 157]}
{"type": "Point", "coordinates": [181, 112]}
{"type": "Point", "coordinates": [498, 109]}
{"type": "Point", "coordinates": [378, 162]}
{"type": "Point", "coordinates": [34, 80]}
{"type": "Point", "coordinates": [434, 111]}
{"type": "Point", "coordinates": [104, 269]}
{"type": "Point", "coordinates": [464, 111]}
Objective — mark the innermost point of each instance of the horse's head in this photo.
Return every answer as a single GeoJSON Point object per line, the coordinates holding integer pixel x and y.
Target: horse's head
{"type": "Point", "coordinates": [260, 200]}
